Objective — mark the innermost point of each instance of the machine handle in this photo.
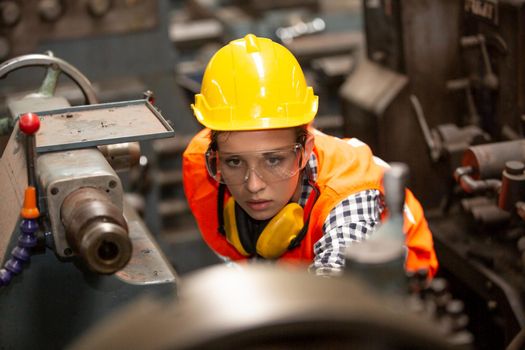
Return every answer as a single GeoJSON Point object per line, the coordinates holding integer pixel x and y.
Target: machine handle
{"type": "Point", "coordinates": [47, 60]}
{"type": "Point", "coordinates": [490, 79]}
{"type": "Point", "coordinates": [394, 183]}
{"type": "Point", "coordinates": [435, 150]}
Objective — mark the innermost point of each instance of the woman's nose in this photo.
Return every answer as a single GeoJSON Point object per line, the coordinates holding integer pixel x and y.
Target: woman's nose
{"type": "Point", "coordinates": [254, 182]}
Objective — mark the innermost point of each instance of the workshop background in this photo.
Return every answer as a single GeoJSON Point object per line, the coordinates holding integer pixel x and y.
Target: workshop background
{"type": "Point", "coordinates": [437, 85]}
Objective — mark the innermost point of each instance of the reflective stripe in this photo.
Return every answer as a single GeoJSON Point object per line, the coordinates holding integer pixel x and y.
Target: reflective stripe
{"type": "Point", "coordinates": [409, 214]}
{"type": "Point", "coordinates": [380, 162]}
{"type": "Point", "coordinates": [356, 142]}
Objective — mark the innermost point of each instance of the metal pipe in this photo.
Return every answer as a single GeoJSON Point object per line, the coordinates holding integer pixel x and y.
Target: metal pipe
{"type": "Point", "coordinates": [463, 176]}
{"type": "Point", "coordinates": [121, 156]}
{"type": "Point", "coordinates": [488, 160]}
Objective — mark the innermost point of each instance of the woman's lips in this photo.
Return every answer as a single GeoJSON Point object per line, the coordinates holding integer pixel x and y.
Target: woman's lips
{"type": "Point", "coordinates": [258, 205]}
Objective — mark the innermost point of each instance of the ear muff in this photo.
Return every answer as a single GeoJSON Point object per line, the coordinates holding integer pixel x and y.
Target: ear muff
{"type": "Point", "coordinates": [276, 236]}
{"type": "Point", "coordinates": [280, 231]}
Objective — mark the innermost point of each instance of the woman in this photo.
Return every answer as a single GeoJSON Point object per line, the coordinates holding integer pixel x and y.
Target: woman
{"type": "Point", "coordinates": [261, 182]}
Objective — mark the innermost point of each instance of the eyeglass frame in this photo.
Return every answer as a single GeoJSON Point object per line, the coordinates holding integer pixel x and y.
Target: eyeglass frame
{"type": "Point", "coordinates": [296, 146]}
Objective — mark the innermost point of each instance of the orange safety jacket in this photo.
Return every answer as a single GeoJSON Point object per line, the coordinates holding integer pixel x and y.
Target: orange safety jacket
{"type": "Point", "coordinates": [345, 167]}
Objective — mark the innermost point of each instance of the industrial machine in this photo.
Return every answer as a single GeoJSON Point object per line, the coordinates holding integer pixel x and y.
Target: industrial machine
{"type": "Point", "coordinates": [78, 249]}
{"type": "Point", "coordinates": [479, 240]}
{"type": "Point", "coordinates": [125, 49]}
{"type": "Point", "coordinates": [441, 89]}
{"type": "Point", "coordinates": [265, 306]}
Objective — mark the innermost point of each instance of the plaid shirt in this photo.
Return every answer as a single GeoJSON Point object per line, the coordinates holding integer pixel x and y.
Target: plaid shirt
{"type": "Point", "coordinates": [354, 219]}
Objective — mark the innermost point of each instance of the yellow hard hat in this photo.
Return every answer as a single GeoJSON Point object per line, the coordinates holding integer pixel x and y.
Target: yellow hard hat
{"type": "Point", "coordinates": [254, 83]}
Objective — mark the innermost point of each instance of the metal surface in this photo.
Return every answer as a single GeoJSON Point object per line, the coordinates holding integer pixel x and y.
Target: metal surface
{"type": "Point", "coordinates": [148, 264]}
{"type": "Point", "coordinates": [367, 94]}
{"type": "Point", "coordinates": [96, 230]}
{"type": "Point", "coordinates": [61, 173]}
{"type": "Point", "coordinates": [512, 186]}
{"type": "Point", "coordinates": [13, 174]}
{"type": "Point", "coordinates": [373, 87]}
{"type": "Point", "coordinates": [122, 156]}
{"type": "Point", "coordinates": [32, 103]}
{"type": "Point", "coordinates": [93, 125]}
{"type": "Point", "coordinates": [45, 60]}
{"type": "Point", "coordinates": [264, 307]}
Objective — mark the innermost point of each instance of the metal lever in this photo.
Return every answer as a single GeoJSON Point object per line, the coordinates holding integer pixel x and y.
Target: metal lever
{"type": "Point", "coordinates": [394, 183]}
{"type": "Point", "coordinates": [458, 84]}
{"type": "Point", "coordinates": [379, 261]}
{"type": "Point", "coordinates": [435, 150]}
{"type": "Point", "coordinates": [490, 79]}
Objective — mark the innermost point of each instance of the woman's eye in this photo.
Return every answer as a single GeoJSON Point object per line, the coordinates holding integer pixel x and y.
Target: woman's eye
{"type": "Point", "coordinates": [233, 162]}
{"type": "Point", "coordinates": [274, 160]}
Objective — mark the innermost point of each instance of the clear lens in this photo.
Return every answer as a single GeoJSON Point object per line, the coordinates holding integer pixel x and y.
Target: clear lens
{"type": "Point", "coordinates": [269, 165]}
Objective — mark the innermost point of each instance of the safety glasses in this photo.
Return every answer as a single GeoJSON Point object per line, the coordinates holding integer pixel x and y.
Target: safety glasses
{"type": "Point", "coordinates": [269, 165]}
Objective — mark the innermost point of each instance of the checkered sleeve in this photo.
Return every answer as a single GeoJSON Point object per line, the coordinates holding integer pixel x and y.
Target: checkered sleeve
{"type": "Point", "coordinates": [352, 220]}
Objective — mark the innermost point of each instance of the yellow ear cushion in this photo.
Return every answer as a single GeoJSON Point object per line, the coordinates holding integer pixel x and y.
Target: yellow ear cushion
{"type": "Point", "coordinates": [230, 226]}
{"type": "Point", "coordinates": [280, 231]}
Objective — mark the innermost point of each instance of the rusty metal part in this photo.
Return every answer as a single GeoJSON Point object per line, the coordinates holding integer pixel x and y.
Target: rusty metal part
{"type": "Point", "coordinates": [488, 161]}
{"type": "Point", "coordinates": [512, 186]}
{"type": "Point", "coordinates": [96, 230]}
{"type": "Point", "coordinates": [121, 156]}
{"type": "Point", "coordinates": [465, 178]}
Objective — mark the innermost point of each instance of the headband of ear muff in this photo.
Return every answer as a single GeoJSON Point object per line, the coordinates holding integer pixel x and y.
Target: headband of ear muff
{"type": "Point", "coordinates": [275, 236]}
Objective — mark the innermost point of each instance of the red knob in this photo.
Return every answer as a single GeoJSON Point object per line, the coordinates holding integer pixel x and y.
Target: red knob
{"type": "Point", "coordinates": [29, 123]}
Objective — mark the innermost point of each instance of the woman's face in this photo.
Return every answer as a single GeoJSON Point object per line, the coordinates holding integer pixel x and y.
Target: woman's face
{"type": "Point", "coordinates": [257, 154]}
